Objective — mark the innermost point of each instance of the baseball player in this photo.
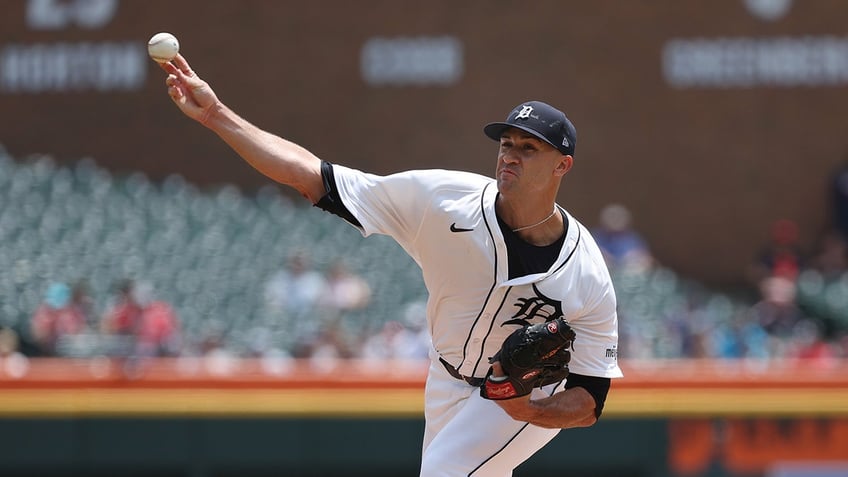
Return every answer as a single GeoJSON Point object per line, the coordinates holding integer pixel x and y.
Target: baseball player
{"type": "Point", "coordinates": [504, 265]}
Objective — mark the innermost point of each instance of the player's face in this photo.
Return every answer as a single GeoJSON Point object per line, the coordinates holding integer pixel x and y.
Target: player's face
{"type": "Point", "coordinates": [526, 162]}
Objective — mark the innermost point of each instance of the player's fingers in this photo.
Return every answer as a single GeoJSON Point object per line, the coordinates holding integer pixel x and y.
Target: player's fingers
{"type": "Point", "coordinates": [497, 369]}
{"type": "Point", "coordinates": [183, 65]}
{"type": "Point", "coordinates": [175, 86]}
{"type": "Point", "coordinates": [175, 93]}
{"type": "Point", "coordinates": [169, 68]}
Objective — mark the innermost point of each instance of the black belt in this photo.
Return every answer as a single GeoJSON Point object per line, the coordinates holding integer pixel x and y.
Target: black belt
{"type": "Point", "coordinates": [476, 382]}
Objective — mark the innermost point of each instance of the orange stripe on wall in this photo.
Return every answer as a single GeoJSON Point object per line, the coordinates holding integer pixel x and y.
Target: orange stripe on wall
{"type": "Point", "coordinates": [389, 402]}
{"type": "Point", "coordinates": [56, 387]}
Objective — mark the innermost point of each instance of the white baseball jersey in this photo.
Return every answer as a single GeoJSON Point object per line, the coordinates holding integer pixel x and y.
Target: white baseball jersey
{"type": "Point", "coordinates": [445, 220]}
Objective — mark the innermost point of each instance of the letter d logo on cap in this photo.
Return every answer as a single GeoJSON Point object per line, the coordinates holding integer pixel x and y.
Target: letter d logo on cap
{"type": "Point", "coordinates": [524, 113]}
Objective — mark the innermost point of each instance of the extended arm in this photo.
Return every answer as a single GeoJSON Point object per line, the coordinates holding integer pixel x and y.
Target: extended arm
{"type": "Point", "coordinates": [273, 156]}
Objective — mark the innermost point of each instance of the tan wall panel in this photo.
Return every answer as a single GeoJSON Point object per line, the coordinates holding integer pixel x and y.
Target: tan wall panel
{"type": "Point", "coordinates": [705, 170]}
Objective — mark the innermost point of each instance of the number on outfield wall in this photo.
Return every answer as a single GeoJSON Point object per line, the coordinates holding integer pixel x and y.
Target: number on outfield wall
{"type": "Point", "coordinates": [59, 14]}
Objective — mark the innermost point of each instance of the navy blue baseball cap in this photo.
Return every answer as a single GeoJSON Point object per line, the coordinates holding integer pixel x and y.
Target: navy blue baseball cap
{"type": "Point", "coordinates": [542, 121]}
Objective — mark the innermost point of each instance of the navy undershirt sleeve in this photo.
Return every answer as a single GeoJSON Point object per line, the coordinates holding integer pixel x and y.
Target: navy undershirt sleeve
{"type": "Point", "coordinates": [597, 387]}
{"type": "Point", "coordinates": [332, 202]}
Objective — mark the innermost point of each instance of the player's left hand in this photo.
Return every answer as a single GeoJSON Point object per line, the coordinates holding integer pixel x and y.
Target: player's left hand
{"type": "Point", "coordinates": [531, 357]}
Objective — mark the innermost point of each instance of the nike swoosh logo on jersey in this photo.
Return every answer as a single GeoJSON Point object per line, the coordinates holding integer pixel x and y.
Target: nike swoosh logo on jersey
{"type": "Point", "coordinates": [456, 229]}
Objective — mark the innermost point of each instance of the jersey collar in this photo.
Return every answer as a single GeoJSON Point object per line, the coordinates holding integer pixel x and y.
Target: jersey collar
{"type": "Point", "coordinates": [572, 239]}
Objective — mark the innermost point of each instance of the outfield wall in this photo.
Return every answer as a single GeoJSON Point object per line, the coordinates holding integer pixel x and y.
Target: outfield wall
{"type": "Point", "coordinates": [251, 418]}
{"type": "Point", "coordinates": [699, 116]}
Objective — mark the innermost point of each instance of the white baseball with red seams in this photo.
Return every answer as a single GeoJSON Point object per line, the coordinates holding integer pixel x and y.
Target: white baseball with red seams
{"type": "Point", "coordinates": [445, 220]}
{"type": "Point", "coordinates": [163, 47]}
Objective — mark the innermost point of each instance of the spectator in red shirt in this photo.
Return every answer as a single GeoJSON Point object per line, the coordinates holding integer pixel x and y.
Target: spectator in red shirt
{"type": "Point", "coordinates": [781, 256]}
{"type": "Point", "coordinates": [158, 330]}
{"type": "Point", "coordinates": [124, 315]}
{"type": "Point", "coordinates": [54, 318]}
{"type": "Point", "coordinates": [143, 326]}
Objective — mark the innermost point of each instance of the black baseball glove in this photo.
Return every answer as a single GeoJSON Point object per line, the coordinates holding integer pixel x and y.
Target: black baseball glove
{"type": "Point", "coordinates": [532, 357]}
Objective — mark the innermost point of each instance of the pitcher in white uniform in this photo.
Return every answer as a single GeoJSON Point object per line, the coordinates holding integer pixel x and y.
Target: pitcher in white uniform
{"type": "Point", "coordinates": [496, 254]}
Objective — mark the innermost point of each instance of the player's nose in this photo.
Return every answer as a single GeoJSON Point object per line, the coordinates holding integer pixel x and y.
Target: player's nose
{"type": "Point", "coordinates": [510, 157]}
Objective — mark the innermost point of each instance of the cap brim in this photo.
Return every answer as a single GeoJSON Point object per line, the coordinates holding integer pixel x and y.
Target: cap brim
{"type": "Point", "coordinates": [495, 131]}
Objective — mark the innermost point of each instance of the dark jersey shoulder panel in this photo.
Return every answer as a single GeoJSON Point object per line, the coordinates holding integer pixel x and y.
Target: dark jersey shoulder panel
{"type": "Point", "coordinates": [332, 202]}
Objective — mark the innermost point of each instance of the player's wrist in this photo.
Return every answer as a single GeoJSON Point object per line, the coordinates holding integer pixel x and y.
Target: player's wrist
{"type": "Point", "coordinates": [210, 112]}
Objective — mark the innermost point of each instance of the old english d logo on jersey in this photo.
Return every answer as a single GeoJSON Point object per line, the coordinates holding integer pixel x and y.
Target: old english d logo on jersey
{"type": "Point", "coordinates": [531, 308]}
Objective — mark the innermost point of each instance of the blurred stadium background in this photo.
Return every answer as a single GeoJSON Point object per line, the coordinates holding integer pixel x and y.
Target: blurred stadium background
{"type": "Point", "coordinates": [718, 128]}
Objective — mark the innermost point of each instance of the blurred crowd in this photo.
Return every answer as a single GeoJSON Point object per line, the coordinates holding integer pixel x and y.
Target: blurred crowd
{"type": "Point", "coordinates": [774, 318]}
{"type": "Point", "coordinates": [134, 323]}
{"type": "Point", "coordinates": [794, 305]}
{"type": "Point", "coordinates": [322, 307]}
{"type": "Point", "coordinates": [315, 306]}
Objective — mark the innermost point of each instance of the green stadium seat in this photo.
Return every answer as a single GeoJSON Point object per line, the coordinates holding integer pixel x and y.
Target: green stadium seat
{"type": "Point", "coordinates": [209, 253]}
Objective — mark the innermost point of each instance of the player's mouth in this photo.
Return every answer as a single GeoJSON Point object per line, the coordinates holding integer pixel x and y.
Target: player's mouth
{"type": "Point", "coordinates": [506, 171]}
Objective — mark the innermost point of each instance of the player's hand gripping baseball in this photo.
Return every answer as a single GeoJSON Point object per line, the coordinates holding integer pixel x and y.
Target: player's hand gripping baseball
{"type": "Point", "coordinates": [191, 94]}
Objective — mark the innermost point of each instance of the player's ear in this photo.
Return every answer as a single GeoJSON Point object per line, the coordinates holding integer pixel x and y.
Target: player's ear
{"type": "Point", "coordinates": [564, 165]}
